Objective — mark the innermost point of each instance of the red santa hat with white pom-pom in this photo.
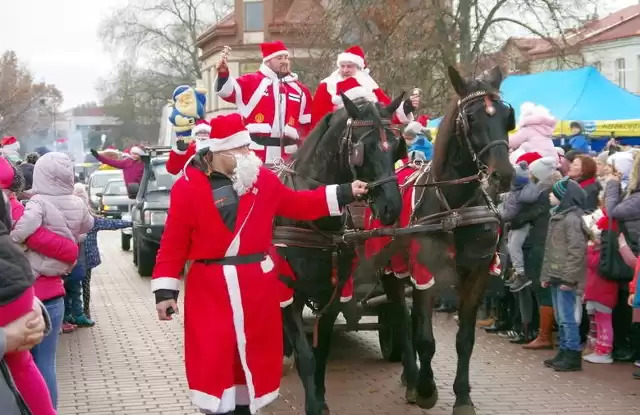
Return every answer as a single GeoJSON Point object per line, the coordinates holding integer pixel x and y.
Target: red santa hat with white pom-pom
{"type": "Point", "coordinates": [352, 89]}
{"type": "Point", "coordinates": [201, 126]}
{"type": "Point", "coordinates": [273, 49]}
{"type": "Point", "coordinates": [227, 132]}
{"type": "Point", "coordinates": [9, 144]}
{"type": "Point", "coordinates": [355, 55]}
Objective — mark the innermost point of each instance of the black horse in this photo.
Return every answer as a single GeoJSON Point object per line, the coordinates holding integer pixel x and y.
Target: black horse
{"type": "Point", "coordinates": [355, 142]}
{"type": "Point", "coordinates": [470, 165]}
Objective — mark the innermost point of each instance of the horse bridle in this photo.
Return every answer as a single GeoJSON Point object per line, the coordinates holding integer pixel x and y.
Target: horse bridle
{"type": "Point", "coordinates": [355, 149]}
{"type": "Point", "coordinates": [464, 129]}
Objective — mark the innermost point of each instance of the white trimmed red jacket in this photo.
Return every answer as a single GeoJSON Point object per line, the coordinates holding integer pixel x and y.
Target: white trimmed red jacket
{"type": "Point", "coordinates": [327, 100]}
{"type": "Point", "coordinates": [271, 107]}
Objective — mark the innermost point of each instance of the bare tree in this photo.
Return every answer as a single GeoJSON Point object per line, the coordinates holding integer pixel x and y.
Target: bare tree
{"type": "Point", "coordinates": [411, 42]}
{"type": "Point", "coordinates": [26, 108]}
{"type": "Point", "coordinates": [161, 34]}
{"type": "Point", "coordinates": [158, 41]}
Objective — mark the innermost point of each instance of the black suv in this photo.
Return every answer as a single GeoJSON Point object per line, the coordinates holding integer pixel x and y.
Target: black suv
{"type": "Point", "coordinates": [149, 213]}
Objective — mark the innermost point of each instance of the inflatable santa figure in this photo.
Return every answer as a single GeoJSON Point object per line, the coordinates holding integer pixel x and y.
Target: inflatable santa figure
{"type": "Point", "coordinates": [352, 65]}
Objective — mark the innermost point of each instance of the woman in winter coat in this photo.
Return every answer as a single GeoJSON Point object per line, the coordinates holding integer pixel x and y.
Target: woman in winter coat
{"type": "Point", "coordinates": [544, 175]}
{"type": "Point", "coordinates": [534, 132]}
{"type": "Point", "coordinates": [583, 170]}
{"type": "Point", "coordinates": [53, 206]}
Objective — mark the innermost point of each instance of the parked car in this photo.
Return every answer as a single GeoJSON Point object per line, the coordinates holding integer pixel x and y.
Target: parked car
{"type": "Point", "coordinates": [149, 213]}
{"type": "Point", "coordinates": [114, 200]}
{"type": "Point", "coordinates": [97, 181]}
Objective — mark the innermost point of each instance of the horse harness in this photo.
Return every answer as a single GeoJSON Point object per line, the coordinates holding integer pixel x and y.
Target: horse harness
{"type": "Point", "coordinates": [448, 219]}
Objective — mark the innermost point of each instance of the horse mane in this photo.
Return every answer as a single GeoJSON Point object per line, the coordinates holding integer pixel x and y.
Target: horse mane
{"type": "Point", "coordinates": [307, 151]}
{"type": "Point", "coordinates": [446, 131]}
{"type": "Point", "coordinates": [319, 155]}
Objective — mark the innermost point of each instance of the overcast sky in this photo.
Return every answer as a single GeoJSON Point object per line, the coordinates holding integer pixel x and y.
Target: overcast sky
{"type": "Point", "coordinates": [58, 41]}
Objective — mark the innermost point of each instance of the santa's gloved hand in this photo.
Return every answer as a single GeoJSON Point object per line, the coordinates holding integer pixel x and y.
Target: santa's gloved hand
{"type": "Point", "coordinates": [181, 145]}
{"type": "Point", "coordinates": [94, 153]}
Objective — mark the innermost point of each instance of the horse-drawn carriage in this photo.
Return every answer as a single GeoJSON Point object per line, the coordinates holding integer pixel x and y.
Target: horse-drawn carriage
{"type": "Point", "coordinates": [452, 230]}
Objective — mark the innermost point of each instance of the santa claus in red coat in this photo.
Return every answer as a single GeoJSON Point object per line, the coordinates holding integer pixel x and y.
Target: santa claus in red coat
{"type": "Point", "coordinates": [351, 64]}
{"type": "Point", "coordinates": [221, 218]}
{"type": "Point", "coordinates": [276, 106]}
{"type": "Point", "coordinates": [184, 150]}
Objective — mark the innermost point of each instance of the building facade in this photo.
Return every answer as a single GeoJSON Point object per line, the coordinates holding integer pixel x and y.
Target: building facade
{"type": "Point", "coordinates": [251, 23]}
{"type": "Point", "coordinates": [611, 44]}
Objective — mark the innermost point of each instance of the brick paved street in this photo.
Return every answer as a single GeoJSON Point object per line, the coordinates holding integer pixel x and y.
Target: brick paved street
{"type": "Point", "coordinates": [130, 363]}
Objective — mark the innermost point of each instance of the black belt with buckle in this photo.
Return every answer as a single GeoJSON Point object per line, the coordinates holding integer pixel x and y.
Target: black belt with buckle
{"type": "Point", "coordinates": [234, 260]}
{"type": "Point", "coordinates": [273, 141]}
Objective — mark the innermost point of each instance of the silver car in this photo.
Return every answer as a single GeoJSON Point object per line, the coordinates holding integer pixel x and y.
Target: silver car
{"type": "Point", "coordinates": [114, 200]}
{"type": "Point", "coordinates": [97, 182]}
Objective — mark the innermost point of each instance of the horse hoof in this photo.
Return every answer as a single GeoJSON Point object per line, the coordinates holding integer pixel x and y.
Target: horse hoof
{"type": "Point", "coordinates": [464, 410]}
{"type": "Point", "coordinates": [411, 395]}
{"type": "Point", "coordinates": [428, 402]}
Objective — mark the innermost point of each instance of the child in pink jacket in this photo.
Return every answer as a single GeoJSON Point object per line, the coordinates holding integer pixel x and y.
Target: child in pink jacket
{"type": "Point", "coordinates": [534, 133]}
{"type": "Point", "coordinates": [18, 294]}
{"type": "Point", "coordinates": [600, 294]}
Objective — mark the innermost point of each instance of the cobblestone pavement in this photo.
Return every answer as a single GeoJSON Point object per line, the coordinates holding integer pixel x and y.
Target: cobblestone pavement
{"type": "Point", "coordinates": [130, 363]}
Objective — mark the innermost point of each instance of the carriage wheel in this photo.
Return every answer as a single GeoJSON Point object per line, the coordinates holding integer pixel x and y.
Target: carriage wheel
{"type": "Point", "coordinates": [388, 334]}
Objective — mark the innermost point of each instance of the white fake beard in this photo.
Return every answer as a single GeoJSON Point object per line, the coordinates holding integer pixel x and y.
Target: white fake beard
{"type": "Point", "coordinates": [246, 172]}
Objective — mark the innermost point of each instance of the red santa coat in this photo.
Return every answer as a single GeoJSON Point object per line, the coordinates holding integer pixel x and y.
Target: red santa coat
{"type": "Point", "coordinates": [326, 98]}
{"type": "Point", "coordinates": [271, 107]}
{"type": "Point", "coordinates": [233, 336]}
{"type": "Point", "coordinates": [178, 158]}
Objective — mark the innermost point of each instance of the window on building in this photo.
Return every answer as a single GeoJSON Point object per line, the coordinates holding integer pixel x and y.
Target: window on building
{"type": "Point", "coordinates": [249, 67]}
{"type": "Point", "coordinates": [253, 16]}
{"type": "Point", "coordinates": [620, 72]}
{"type": "Point", "coordinates": [597, 65]}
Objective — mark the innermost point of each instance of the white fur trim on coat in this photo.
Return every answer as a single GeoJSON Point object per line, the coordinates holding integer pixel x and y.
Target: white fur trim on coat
{"type": "Point", "coordinates": [239, 139]}
{"type": "Point", "coordinates": [332, 200]}
{"type": "Point", "coordinates": [352, 58]}
{"type": "Point", "coordinates": [165, 283]}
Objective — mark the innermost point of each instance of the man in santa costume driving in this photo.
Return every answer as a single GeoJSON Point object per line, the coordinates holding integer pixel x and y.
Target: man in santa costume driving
{"type": "Point", "coordinates": [233, 328]}
{"type": "Point", "coordinates": [184, 150]}
{"type": "Point", "coordinates": [276, 106]}
{"type": "Point", "coordinates": [351, 64]}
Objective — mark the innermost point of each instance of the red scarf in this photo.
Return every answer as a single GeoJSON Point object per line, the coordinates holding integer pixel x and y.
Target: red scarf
{"type": "Point", "coordinates": [587, 182]}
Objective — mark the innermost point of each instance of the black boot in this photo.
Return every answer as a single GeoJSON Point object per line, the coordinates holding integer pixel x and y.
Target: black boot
{"type": "Point", "coordinates": [571, 362]}
{"type": "Point", "coordinates": [555, 359]}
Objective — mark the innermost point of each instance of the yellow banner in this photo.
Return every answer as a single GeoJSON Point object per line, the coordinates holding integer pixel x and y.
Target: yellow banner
{"type": "Point", "coordinates": [623, 128]}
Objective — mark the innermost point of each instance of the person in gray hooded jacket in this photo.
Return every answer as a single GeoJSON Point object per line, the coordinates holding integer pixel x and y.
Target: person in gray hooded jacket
{"type": "Point", "coordinates": [564, 269]}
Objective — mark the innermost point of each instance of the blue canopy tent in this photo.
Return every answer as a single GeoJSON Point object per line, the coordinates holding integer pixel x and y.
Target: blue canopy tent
{"type": "Point", "coordinates": [577, 95]}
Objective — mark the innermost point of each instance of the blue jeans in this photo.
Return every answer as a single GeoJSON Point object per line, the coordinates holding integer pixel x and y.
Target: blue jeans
{"type": "Point", "coordinates": [568, 312]}
{"type": "Point", "coordinates": [73, 298]}
{"type": "Point", "coordinates": [44, 354]}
